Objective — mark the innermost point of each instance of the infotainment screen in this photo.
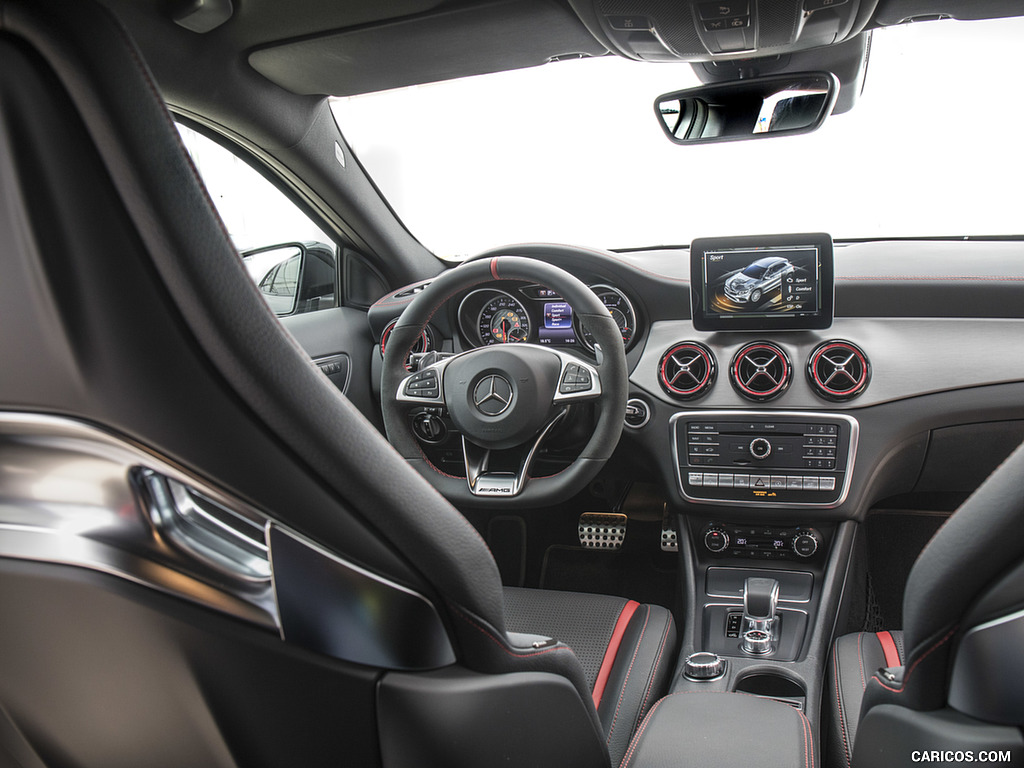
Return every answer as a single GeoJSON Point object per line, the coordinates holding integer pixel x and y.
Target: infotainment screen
{"type": "Point", "coordinates": [774, 282]}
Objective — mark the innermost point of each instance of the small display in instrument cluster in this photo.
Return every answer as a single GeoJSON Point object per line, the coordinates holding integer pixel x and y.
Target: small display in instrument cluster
{"type": "Point", "coordinates": [558, 326]}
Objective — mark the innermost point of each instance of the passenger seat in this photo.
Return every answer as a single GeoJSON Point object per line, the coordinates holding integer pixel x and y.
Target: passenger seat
{"type": "Point", "coordinates": [855, 657]}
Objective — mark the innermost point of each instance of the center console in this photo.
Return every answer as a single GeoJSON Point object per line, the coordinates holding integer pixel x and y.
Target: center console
{"type": "Point", "coordinates": [750, 459]}
{"type": "Point", "coordinates": [764, 550]}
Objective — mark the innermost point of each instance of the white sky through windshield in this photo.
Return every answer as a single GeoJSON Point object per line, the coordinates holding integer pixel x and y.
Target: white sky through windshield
{"type": "Point", "coordinates": [572, 152]}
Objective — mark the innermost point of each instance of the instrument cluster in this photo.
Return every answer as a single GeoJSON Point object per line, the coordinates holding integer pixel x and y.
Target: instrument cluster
{"type": "Point", "coordinates": [517, 313]}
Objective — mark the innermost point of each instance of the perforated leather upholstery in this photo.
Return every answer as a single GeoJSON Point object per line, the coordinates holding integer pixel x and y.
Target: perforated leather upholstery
{"type": "Point", "coordinates": [626, 650]}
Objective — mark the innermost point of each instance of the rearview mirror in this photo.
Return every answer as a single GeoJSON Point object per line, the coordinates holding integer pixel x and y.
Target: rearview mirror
{"type": "Point", "coordinates": [778, 105]}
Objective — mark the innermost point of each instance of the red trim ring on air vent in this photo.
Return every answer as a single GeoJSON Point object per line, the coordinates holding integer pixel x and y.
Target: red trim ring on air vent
{"type": "Point", "coordinates": [760, 371]}
{"type": "Point", "coordinates": [687, 370]}
{"type": "Point", "coordinates": [838, 370]}
{"type": "Point", "coordinates": [422, 343]}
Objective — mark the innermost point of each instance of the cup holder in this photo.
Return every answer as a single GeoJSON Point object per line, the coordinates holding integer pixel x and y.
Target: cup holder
{"type": "Point", "coordinates": [776, 687]}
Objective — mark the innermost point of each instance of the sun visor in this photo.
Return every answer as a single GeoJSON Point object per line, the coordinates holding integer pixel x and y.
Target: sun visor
{"type": "Point", "coordinates": [454, 43]}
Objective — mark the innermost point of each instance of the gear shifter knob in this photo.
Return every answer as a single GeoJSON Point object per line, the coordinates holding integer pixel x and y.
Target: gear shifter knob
{"type": "Point", "coordinates": [760, 596]}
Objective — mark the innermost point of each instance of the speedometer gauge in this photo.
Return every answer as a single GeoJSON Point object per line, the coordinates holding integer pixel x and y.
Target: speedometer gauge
{"type": "Point", "coordinates": [621, 311]}
{"type": "Point", "coordinates": [503, 320]}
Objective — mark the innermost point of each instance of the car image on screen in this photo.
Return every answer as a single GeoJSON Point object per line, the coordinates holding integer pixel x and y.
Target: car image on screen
{"type": "Point", "coordinates": [757, 279]}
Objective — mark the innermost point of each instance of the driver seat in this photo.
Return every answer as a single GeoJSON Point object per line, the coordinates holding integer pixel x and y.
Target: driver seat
{"type": "Point", "coordinates": [336, 607]}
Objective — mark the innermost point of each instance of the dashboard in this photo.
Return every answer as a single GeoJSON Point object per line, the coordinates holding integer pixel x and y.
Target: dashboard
{"type": "Point", "coordinates": [895, 347]}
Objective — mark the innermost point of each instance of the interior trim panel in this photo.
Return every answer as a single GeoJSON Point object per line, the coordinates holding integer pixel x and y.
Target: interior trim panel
{"type": "Point", "coordinates": [909, 357]}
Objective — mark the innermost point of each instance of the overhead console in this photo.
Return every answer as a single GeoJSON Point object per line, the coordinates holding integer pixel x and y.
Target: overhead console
{"type": "Point", "coordinates": [695, 30]}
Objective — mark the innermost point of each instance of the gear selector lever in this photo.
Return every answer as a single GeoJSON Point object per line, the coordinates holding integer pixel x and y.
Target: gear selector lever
{"type": "Point", "coordinates": [760, 597]}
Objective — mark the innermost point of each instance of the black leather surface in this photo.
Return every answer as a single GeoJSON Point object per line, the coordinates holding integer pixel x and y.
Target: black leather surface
{"type": "Point", "coordinates": [855, 658]}
{"type": "Point", "coordinates": [641, 668]}
{"type": "Point", "coordinates": [721, 730]}
{"type": "Point", "coordinates": [583, 622]}
{"type": "Point", "coordinates": [142, 318]}
{"type": "Point", "coordinates": [539, 491]}
{"type": "Point", "coordinates": [969, 554]}
{"type": "Point", "coordinates": [217, 310]}
{"type": "Point", "coordinates": [638, 677]}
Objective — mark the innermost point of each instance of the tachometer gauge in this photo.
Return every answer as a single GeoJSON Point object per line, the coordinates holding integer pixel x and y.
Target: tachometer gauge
{"type": "Point", "coordinates": [621, 311]}
{"type": "Point", "coordinates": [503, 320]}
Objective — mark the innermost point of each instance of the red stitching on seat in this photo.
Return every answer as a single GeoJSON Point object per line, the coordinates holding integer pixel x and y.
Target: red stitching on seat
{"type": "Point", "coordinates": [922, 657]}
{"type": "Point", "coordinates": [490, 636]}
{"type": "Point", "coordinates": [808, 740]}
{"type": "Point", "coordinates": [640, 731]}
{"type": "Point", "coordinates": [839, 703]}
{"type": "Point", "coordinates": [654, 669]}
{"type": "Point", "coordinates": [860, 661]}
{"type": "Point", "coordinates": [625, 682]}
{"type": "Point", "coordinates": [612, 650]}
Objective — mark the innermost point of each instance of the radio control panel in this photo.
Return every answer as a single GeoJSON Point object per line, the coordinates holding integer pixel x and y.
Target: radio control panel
{"type": "Point", "coordinates": [747, 458]}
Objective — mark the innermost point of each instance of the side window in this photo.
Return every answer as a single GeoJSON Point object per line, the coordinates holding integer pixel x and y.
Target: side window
{"type": "Point", "coordinates": [292, 261]}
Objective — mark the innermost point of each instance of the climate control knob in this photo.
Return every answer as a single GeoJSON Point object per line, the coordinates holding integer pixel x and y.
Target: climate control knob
{"type": "Point", "coordinates": [805, 543]}
{"type": "Point", "coordinates": [716, 540]}
{"type": "Point", "coordinates": [760, 448]}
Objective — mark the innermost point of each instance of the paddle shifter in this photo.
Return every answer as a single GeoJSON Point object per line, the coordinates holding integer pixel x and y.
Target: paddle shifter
{"type": "Point", "coordinates": [760, 597]}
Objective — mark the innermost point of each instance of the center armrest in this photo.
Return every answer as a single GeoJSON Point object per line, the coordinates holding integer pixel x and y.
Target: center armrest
{"type": "Point", "coordinates": [720, 730]}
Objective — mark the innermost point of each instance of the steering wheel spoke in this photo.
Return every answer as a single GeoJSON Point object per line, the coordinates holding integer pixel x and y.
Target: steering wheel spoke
{"type": "Point", "coordinates": [485, 482]}
{"type": "Point", "coordinates": [505, 399]}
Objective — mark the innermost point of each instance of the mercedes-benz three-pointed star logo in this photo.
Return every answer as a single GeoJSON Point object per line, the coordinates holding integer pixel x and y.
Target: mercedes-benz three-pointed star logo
{"type": "Point", "coordinates": [492, 395]}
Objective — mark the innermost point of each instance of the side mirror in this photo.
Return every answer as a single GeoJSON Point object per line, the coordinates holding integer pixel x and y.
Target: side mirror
{"type": "Point", "coordinates": [294, 277]}
{"type": "Point", "coordinates": [777, 105]}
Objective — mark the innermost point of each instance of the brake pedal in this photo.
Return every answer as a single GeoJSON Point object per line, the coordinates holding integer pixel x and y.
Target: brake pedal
{"type": "Point", "coordinates": [602, 530]}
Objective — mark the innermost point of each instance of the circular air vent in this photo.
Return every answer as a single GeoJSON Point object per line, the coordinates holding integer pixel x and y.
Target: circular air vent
{"type": "Point", "coordinates": [838, 370]}
{"type": "Point", "coordinates": [687, 370]}
{"type": "Point", "coordinates": [422, 344]}
{"type": "Point", "coordinates": [760, 371]}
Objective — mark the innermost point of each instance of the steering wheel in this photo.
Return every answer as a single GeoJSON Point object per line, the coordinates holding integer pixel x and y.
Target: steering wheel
{"type": "Point", "coordinates": [506, 396]}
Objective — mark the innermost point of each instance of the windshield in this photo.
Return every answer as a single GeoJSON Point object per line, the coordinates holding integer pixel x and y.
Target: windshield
{"type": "Point", "coordinates": [755, 270]}
{"type": "Point", "coordinates": [572, 152]}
